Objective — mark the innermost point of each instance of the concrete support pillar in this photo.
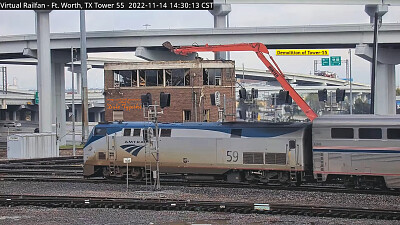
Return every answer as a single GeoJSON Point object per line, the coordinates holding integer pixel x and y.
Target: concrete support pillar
{"type": "Point", "coordinates": [78, 83]}
{"type": "Point", "coordinates": [98, 119]}
{"type": "Point", "coordinates": [220, 13]}
{"type": "Point", "coordinates": [385, 90]}
{"type": "Point", "coordinates": [43, 69]}
{"type": "Point", "coordinates": [385, 82]}
{"type": "Point", "coordinates": [78, 109]}
{"type": "Point", "coordinates": [58, 99]}
{"type": "Point", "coordinates": [14, 115]}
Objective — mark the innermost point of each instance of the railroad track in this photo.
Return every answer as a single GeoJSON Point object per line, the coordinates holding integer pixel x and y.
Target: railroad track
{"type": "Point", "coordinates": [187, 205]}
{"type": "Point", "coordinates": [43, 161]}
{"type": "Point", "coordinates": [77, 179]}
{"type": "Point", "coordinates": [69, 169]}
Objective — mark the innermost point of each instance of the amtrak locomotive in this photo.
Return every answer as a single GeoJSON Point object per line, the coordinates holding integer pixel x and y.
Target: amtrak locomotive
{"type": "Point", "coordinates": [362, 151]}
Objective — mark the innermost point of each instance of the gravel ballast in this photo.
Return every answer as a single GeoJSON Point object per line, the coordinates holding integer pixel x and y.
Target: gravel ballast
{"type": "Point", "coordinates": [50, 216]}
{"type": "Point", "coordinates": [201, 194]}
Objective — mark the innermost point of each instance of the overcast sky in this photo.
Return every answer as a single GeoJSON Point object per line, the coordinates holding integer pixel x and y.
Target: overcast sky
{"type": "Point", "coordinates": [22, 22]}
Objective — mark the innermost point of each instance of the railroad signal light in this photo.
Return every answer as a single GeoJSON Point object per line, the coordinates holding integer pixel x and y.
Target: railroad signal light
{"type": "Point", "coordinates": [340, 94]}
{"type": "Point", "coordinates": [254, 93]}
{"type": "Point", "coordinates": [283, 97]}
{"type": "Point", "coordinates": [243, 93]}
{"type": "Point", "coordinates": [242, 114]}
{"type": "Point", "coordinates": [165, 100]}
{"type": "Point", "coordinates": [146, 100]}
{"type": "Point", "coordinates": [323, 95]}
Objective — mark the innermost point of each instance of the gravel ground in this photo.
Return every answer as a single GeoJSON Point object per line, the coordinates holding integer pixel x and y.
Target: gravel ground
{"type": "Point", "coordinates": [38, 215]}
{"type": "Point", "coordinates": [202, 193]}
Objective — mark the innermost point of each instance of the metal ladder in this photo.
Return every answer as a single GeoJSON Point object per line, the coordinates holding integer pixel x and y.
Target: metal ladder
{"type": "Point", "coordinates": [111, 156]}
{"type": "Point", "coordinates": [147, 166]}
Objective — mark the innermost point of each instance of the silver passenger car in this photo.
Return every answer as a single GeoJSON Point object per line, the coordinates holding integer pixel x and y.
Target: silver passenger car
{"type": "Point", "coordinates": [360, 150]}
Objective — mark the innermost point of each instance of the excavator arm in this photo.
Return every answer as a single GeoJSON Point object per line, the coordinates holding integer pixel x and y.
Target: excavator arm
{"type": "Point", "coordinates": [259, 49]}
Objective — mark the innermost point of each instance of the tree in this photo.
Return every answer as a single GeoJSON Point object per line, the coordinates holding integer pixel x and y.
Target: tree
{"type": "Point", "coordinates": [398, 92]}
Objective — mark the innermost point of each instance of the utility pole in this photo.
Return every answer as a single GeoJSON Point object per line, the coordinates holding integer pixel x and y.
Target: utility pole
{"type": "Point", "coordinates": [73, 101]}
{"type": "Point", "coordinates": [351, 90]}
{"type": "Point", "coordinates": [84, 93]}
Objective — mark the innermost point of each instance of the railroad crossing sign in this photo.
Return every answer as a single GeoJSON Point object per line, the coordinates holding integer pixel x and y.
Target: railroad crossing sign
{"type": "Point", "coordinates": [336, 61]}
{"type": "Point", "coordinates": [325, 61]}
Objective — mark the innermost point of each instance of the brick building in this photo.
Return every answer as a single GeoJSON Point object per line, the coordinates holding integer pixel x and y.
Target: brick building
{"type": "Point", "coordinates": [190, 84]}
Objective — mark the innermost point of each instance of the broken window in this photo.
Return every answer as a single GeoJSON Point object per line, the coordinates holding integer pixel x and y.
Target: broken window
{"type": "Point", "coordinates": [125, 77]}
{"type": "Point", "coordinates": [142, 78]}
{"type": "Point", "coordinates": [212, 76]}
{"type": "Point", "coordinates": [117, 78]}
{"type": "Point", "coordinates": [177, 77]}
{"type": "Point", "coordinates": [134, 78]}
{"type": "Point", "coordinates": [154, 77]}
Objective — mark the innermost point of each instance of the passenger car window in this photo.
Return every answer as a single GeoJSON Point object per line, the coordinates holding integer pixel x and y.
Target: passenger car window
{"type": "Point", "coordinates": [100, 132]}
{"type": "Point", "coordinates": [342, 133]}
{"type": "Point", "coordinates": [370, 133]}
{"type": "Point", "coordinates": [393, 133]}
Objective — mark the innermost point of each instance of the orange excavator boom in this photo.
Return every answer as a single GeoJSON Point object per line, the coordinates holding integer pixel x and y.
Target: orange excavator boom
{"type": "Point", "coordinates": [259, 49]}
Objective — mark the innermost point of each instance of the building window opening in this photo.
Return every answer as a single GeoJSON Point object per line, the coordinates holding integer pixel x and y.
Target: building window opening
{"type": "Point", "coordinates": [212, 76]}
{"type": "Point", "coordinates": [206, 115]}
{"type": "Point", "coordinates": [142, 78]}
{"type": "Point", "coordinates": [154, 77]}
{"type": "Point", "coordinates": [134, 78]}
{"type": "Point", "coordinates": [186, 115]}
{"type": "Point", "coordinates": [177, 77]}
{"type": "Point", "coordinates": [125, 78]}
{"type": "Point", "coordinates": [168, 77]}
{"type": "Point", "coordinates": [117, 78]}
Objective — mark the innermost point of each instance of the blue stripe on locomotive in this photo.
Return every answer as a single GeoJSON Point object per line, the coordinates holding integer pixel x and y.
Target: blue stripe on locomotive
{"type": "Point", "coordinates": [254, 130]}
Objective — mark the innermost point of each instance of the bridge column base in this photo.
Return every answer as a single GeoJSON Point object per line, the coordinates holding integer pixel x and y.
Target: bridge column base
{"type": "Point", "coordinates": [385, 82]}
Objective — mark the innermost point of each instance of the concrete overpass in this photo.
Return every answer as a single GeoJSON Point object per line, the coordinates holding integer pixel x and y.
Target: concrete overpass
{"type": "Point", "coordinates": [311, 36]}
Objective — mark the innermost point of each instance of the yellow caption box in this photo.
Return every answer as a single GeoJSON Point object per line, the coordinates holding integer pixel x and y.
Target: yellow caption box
{"type": "Point", "coordinates": [302, 52]}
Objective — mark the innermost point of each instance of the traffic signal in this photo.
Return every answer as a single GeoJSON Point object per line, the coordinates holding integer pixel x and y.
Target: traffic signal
{"type": "Point", "coordinates": [146, 100]}
{"type": "Point", "coordinates": [165, 99]}
{"type": "Point", "coordinates": [323, 95]}
{"type": "Point", "coordinates": [242, 114]}
{"type": "Point", "coordinates": [283, 97]}
{"type": "Point", "coordinates": [243, 93]}
{"type": "Point", "coordinates": [254, 93]}
{"type": "Point", "coordinates": [340, 94]}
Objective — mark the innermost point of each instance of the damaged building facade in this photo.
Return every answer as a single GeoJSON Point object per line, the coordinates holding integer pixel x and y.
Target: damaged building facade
{"type": "Point", "coordinates": [189, 84]}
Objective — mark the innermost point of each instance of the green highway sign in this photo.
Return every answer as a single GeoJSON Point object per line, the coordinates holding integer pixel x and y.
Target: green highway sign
{"type": "Point", "coordinates": [325, 61]}
{"type": "Point", "coordinates": [36, 98]}
{"type": "Point", "coordinates": [336, 61]}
